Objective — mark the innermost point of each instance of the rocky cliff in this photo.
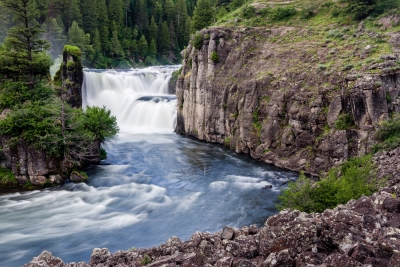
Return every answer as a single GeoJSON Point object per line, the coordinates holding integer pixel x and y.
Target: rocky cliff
{"type": "Point", "coordinates": [287, 95]}
{"type": "Point", "coordinates": [364, 232]}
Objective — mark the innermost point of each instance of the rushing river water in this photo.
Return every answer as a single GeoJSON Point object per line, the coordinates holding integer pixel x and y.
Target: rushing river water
{"type": "Point", "coordinates": [152, 186]}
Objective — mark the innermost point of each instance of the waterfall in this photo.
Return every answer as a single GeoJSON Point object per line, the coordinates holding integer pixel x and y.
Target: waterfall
{"type": "Point", "coordinates": [137, 97]}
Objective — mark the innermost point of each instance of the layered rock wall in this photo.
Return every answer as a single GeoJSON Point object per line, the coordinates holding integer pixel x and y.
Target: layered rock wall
{"type": "Point", "coordinates": [271, 99]}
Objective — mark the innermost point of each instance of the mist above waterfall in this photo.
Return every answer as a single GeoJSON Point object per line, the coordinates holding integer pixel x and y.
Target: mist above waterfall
{"type": "Point", "coordinates": [137, 97]}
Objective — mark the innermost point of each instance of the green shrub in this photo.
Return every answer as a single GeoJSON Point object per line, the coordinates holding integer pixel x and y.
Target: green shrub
{"type": "Point", "coordinates": [350, 180]}
{"type": "Point", "coordinates": [282, 13]}
{"type": "Point", "coordinates": [227, 141]}
{"type": "Point", "coordinates": [307, 13]}
{"type": "Point", "coordinates": [103, 153]}
{"type": "Point", "coordinates": [198, 40]}
{"type": "Point", "coordinates": [39, 124]}
{"type": "Point", "coordinates": [335, 33]}
{"type": "Point", "coordinates": [344, 122]}
{"type": "Point", "coordinates": [388, 134]}
{"type": "Point", "coordinates": [145, 260]}
{"type": "Point", "coordinates": [214, 57]}
{"type": "Point", "coordinates": [360, 9]}
{"type": "Point", "coordinates": [100, 123]}
{"type": "Point", "coordinates": [248, 12]}
{"type": "Point", "coordinates": [16, 93]}
{"type": "Point", "coordinates": [7, 178]}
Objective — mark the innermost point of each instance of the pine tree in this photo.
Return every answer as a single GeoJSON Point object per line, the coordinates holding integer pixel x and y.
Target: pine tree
{"type": "Point", "coordinates": [173, 45]}
{"type": "Point", "coordinates": [96, 42]}
{"type": "Point", "coordinates": [202, 15]}
{"type": "Point", "coordinates": [70, 13]}
{"type": "Point", "coordinates": [164, 39]}
{"type": "Point", "coordinates": [181, 17]}
{"type": "Point", "coordinates": [103, 23]}
{"type": "Point", "coordinates": [115, 47]}
{"type": "Point", "coordinates": [77, 37]}
{"type": "Point", "coordinates": [158, 12]}
{"type": "Point", "coordinates": [169, 11]}
{"type": "Point", "coordinates": [153, 29]}
{"type": "Point", "coordinates": [24, 58]}
{"type": "Point", "coordinates": [142, 46]}
{"type": "Point", "coordinates": [187, 30]}
{"type": "Point", "coordinates": [89, 16]}
{"type": "Point", "coordinates": [54, 34]}
{"type": "Point", "coordinates": [153, 49]}
{"type": "Point", "coordinates": [116, 11]}
{"type": "Point", "coordinates": [141, 17]}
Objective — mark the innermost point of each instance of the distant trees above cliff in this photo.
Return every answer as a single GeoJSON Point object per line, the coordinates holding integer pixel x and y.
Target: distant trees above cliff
{"type": "Point", "coordinates": [114, 28]}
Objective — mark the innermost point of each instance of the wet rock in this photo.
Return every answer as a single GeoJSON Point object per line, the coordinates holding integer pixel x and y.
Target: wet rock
{"type": "Point", "coordinates": [99, 256]}
{"type": "Point", "coordinates": [38, 180]}
{"type": "Point", "coordinates": [46, 259]}
{"type": "Point", "coordinates": [77, 177]}
{"type": "Point", "coordinates": [227, 233]}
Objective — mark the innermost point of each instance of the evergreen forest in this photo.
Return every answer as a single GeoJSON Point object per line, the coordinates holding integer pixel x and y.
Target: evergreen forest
{"type": "Point", "coordinates": [122, 33]}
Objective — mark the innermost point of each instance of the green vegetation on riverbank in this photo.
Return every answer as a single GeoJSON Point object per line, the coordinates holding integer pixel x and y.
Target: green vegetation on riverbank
{"type": "Point", "coordinates": [350, 180]}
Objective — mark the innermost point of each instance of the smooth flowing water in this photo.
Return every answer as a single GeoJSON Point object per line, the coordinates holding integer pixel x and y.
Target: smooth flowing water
{"type": "Point", "coordinates": [154, 184]}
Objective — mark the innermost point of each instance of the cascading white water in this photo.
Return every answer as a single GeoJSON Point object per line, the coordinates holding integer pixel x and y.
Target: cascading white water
{"type": "Point", "coordinates": [137, 97]}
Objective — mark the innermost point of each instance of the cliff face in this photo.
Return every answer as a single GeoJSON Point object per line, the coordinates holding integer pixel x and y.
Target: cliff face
{"type": "Point", "coordinates": [260, 94]}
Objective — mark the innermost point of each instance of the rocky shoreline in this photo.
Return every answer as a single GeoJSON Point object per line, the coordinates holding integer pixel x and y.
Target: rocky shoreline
{"type": "Point", "coordinates": [364, 232]}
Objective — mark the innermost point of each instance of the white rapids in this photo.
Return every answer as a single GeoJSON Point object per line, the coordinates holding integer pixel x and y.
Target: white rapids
{"type": "Point", "coordinates": [138, 97]}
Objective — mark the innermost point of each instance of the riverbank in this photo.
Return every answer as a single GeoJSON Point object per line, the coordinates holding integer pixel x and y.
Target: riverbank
{"type": "Point", "coordinates": [364, 231]}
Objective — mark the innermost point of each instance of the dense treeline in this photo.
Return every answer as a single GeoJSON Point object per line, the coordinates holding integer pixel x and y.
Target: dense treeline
{"type": "Point", "coordinates": [109, 31]}
{"type": "Point", "coordinates": [123, 32]}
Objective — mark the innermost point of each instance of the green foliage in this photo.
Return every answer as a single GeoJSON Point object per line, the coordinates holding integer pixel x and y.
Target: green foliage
{"type": "Point", "coordinates": [16, 93]}
{"type": "Point", "coordinates": [214, 57]}
{"type": "Point", "coordinates": [248, 12]}
{"type": "Point", "coordinates": [107, 31]}
{"type": "Point", "coordinates": [350, 180]}
{"type": "Point", "coordinates": [100, 123]}
{"type": "Point", "coordinates": [198, 40]}
{"type": "Point", "coordinates": [282, 13]}
{"type": "Point", "coordinates": [227, 141]}
{"type": "Point", "coordinates": [23, 57]}
{"type": "Point", "coordinates": [103, 153]}
{"type": "Point", "coordinates": [335, 33]}
{"type": "Point", "coordinates": [307, 13]}
{"type": "Point", "coordinates": [202, 15]}
{"type": "Point", "coordinates": [7, 178]}
{"type": "Point", "coordinates": [388, 134]}
{"type": "Point", "coordinates": [145, 260]}
{"type": "Point", "coordinates": [37, 123]}
{"type": "Point", "coordinates": [344, 122]}
{"type": "Point", "coordinates": [360, 9]}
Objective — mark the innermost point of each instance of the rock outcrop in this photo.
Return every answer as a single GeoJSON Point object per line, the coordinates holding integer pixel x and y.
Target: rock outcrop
{"type": "Point", "coordinates": [268, 97]}
{"type": "Point", "coordinates": [71, 73]}
{"type": "Point", "coordinates": [31, 165]}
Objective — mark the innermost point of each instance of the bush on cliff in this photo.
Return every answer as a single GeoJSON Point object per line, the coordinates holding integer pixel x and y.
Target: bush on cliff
{"type": "Point", "coordinates": [350, 180]}
{"type": "Point", "coordinates": [40, 124]}
{"type": "Point", "coordinates": [389, 134]}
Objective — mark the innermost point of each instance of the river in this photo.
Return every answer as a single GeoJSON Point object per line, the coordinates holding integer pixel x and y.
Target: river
{"type": "Point", "coordinates": [153, 185]}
